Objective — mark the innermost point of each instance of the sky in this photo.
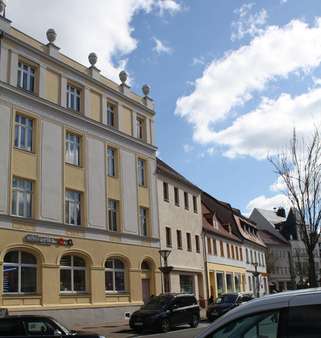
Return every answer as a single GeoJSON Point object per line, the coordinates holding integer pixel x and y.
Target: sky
{"type": "Point", "coordinates": [230, 79]}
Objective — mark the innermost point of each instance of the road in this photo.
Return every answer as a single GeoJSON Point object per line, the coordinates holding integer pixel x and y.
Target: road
{"type": "Point", "coordinates": [125, 332]}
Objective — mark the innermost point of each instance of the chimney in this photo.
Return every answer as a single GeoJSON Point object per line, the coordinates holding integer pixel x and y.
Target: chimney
{"type": "Point", "coordinates": [281, 212]}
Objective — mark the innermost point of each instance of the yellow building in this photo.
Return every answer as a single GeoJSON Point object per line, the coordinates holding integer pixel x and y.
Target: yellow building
{"type": "Point", "coordinates": [79, 228]}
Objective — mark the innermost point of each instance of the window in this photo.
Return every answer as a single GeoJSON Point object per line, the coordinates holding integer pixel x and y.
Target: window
{"type": "Point", "coordinates": [73, 98]}
{"type": "Point", "coordinates": [21, 197]}
{"type": "Point", "coordinates": [11, 327]}
{"type": "Point", "coordinates": [197, 243]}
{"type": "Point", "coordinates": [195, 204]}
{"type": "Point", "coordinates": [179, 239]}
{"type": "Point", "coordinates": [264, 324]}
{"type": "Point", "coordinates": [39, 327]}
{"type": "Point", "coordinates": [141, 172]}
{"type": "Point", "coordinates": [237, 282]}
{"type": "Point", "coordinates": [112, 215]}
{"type": "Point", "coordinates": [241, 254]}
{"type": "Point", "coordinates": [115, 275]}
{"type": "Point", "coordinates": [19, 272]}
{"type": "Point", "coordinates": [72, 274]}
{"type": "Point", "coordinates": [165, 192]}
{"type": "Point", "coordinates": [247, 256]}
{"type": "Point", "coordinates": [23, 133]}
{"type": "Point", "coordinates": [236, 252]}
{"type": "Point", "coordinates": [111, 159]}
{"type": "Point", "coordinates": [140, 128]}
{"type": "Point", "coordinates": [214, 247]}
{"type": "Point", "coordinates": [209, 246]}
{"type": "Point", "coordinates": [186, 284]}
{"type": "Point", "coordinates": [222, 248]}
{"type": "Point", "coordinates": [73, 208]}
{"type": "Point", "coordinates": [176, 196]}
{"type": "Point", "coordinates": [189, 242]}
{"type": "Point", "coordinates": [111, 114]}
{"type": "Point", "coordinates": [72, 154]}
{"type": "Point", "coordinates": [186, 200]}
{"type": "Point", "coordinates": [168, 237]}
{"type": "Point", "coordinates": [229, 282]}
{"type": "Point", "coordinates": [228, 250]}
{"type": "Point", "coordinates": [220, 283]}
{"type": "Point", "coordinates": [143, 225]}
{"type": "Point", "coordinates": [26, 77]}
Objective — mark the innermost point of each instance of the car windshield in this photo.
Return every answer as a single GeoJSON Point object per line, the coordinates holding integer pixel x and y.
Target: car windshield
{"type": "Point", "coordinates": [226, 299]}
{"type": "Point", "coordinates": [157, 302]}
{"type": "Point", "coordinates": [63, 328]}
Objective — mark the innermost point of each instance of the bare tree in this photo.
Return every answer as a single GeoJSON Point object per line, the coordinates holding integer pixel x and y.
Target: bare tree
{"type": "Point", "coordinates": [300, 168]}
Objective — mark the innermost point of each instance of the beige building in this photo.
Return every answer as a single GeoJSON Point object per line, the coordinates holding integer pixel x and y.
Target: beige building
{"type": "Point", "coordinates": [79, 226]}
{"type": "Point", "coordinates": [180, 219]}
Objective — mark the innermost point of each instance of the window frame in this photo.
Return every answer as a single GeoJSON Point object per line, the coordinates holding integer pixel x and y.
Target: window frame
{"type": "Point", "coordinates": [165, 192]}
{"type": "Point", "coordinates": [22, 193]}
{"type": "Point", "coordinates": [28, 129]}
{"type": "Point", "coordinates": [72, 268]}
{"type": "Point", "coordinates": [141, 172]}
{"type": "Point", "coordinates": [189, 242]}
{"type": "Point", "coordinates": [113, 214]}
{"type": "Point", "coordinates": [113, 112]}
{"type": "Point", "coordinates": [179, 240]}
{"type": "Point", "coordinates": [197, 244]}
{"type": "Point", "coordinates": [73, 95]}
{"type": "Point", "coordinates": [21, 265]}
{"type": "Point", "coordinates": [114, 270]}
{"type": "Point", "coordinates": [176, 196]}
{"type": "Point", "coordinates": [168, 236]}
{"type": "Point", "coordinates": [186, 200]}
{"type": "Point", "coordinates": [143, 221]}
{"type": "Point", "coordinates": [73, 141]}
{"type": "Point", "coordinates": [30, 73]}
{"type": "Point", "coordinates": [140, 127]}
{"type": "Point", "coordinates": [112, 162]}
{"type": "Point", "coordinates": [195, 209]}
{"type": "Point", "coordinates": [74, 203]}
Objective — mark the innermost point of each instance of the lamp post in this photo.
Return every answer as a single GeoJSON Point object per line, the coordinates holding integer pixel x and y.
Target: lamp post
{"type": "Point", "coordinates": [165, 269]}
{"type": "Point", "coordinates": [256, 274]}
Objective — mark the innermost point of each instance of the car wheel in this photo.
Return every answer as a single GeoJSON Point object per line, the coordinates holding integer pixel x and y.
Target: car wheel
{"type": "Point", "coordinates": [195, 321]}
{"type": "Point", "coordinates": [165, 325]}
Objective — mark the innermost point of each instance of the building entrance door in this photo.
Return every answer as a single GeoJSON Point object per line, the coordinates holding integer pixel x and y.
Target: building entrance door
{"type": "Point", "coordinates": [146, 289]}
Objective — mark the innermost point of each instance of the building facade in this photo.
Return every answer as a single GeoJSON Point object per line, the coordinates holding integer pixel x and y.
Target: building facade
{"type": "Point", "coordinates": [180, 219]}
{"type": "Point", "coordinates": [241, 254]}
{"type": "Point", "coordinates": [79, 230]}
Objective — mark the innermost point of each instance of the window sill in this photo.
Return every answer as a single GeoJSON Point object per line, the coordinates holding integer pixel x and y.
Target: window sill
{"type": "Point", "coordinates": [115, 293]}
{"type": "Point", "coordinates": [166, 200]}
{"type": "Point", "coordinates": [21, 295]}
{"type": "Point", "coordinates": [67, 294]}
{"type": "Point", "coordinates": [177, 205]}
{"type": "Point", "coordinates": [25, 151]}
{"type": "Point", "coordinates": [74, 165]}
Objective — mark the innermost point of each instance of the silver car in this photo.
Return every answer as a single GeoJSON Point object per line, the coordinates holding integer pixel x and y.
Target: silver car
{"type": "Point", "coordinates": [290, 314]}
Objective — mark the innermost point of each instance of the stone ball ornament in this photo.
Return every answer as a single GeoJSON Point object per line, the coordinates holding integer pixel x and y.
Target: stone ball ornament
{"type": "Point", "coordinates": [123, 77]}
{"type": "Point", "coordinates": [51, 35]}
{"type": "Point", "coordinates": [92, 58]}
{"type": "Point", "coordinates": [146, 89]}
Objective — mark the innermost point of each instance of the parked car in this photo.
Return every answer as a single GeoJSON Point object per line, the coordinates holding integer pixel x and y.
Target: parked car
{"type": "Point", "coordinates": [165, 312]}
{"type": "Point", "coordinates": [37, 326]}
{"type": "Point", "coordinates": [293, 314]}
{"type": "Point", "coordinates": [225, 303]}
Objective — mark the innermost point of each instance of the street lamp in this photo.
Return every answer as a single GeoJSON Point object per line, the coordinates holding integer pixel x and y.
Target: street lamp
{"type": "Point", "coordinates": [166, 270]}
{"type": "Point", "coordinates": [256, 274]}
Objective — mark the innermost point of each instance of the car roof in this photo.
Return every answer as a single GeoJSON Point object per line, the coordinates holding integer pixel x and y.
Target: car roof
{"type": "Point", "coordinates": [266, 303]}
{"type": "Point", "coordinates": [26, 317]}
{"type": "Point", "coordinates": [177, 294]}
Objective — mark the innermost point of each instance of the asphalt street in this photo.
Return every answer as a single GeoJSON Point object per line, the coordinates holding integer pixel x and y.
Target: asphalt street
{"type": "Point", "coordinates": [125, 332]}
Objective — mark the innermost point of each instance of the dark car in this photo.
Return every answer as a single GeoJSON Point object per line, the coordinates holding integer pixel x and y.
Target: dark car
{"type": "Point", "coordinates": [225, 303]}
{"type": "Point", "coordinates": [165, 312]}
{"type": "Point", "coordinates": [37, 326]}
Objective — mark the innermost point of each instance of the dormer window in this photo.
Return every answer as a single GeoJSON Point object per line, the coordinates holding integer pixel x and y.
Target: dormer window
{"type": "Point", "coordinates": [26, 77]}
{"type": "Point", "coordinates": [73, 97]}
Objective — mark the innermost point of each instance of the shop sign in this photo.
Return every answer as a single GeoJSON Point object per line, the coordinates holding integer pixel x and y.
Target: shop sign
{"type": "Point", "coordinates": [35, 239]}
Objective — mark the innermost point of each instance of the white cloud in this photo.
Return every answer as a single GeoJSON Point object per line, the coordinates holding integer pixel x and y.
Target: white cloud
{"type": "Point", "coordinates": [248, 23]}
{"type": "Point", "coordinates": [104, 26]}
{"type": "Point", "coordinates": [198, 61]}
{"type": "Point", "coordinates": [269, 127]}
{"type": "Point", "coordinates": [268, 203]}
{"type": "Point", "coordinates": [188, 148]}
{"type": "Point", "coordinates": [232, 80]}
{"type": "Point", "coordinates": [278, 185]}
{"type": "Point", "coordinates": [169, 5]}
{"type": "Point", "coordinates": [160, 47]}
{"type": "Point", "coordinates": [282, 2]}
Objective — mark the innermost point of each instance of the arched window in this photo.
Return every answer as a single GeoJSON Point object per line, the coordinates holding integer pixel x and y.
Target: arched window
{"type": "Point", "coordinates": [19, 272]}
{"type": "Point", "coordinates": [72, 274]}
{"type": "Point", "coordinates": [115, 275]}
{"type": "Point", "coordinates": [145, 266]}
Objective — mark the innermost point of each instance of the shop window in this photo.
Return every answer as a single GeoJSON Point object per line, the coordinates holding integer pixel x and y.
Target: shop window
{"type": "Point", "coordinates": [26, 77]}
{"type": "Point", "coordinates": [19, 272]}
{"type": "Point", "coordinates": [22, 197]}
{"type": "Point", "coordinates": [220, 283]}
{"type": "Point", "coordinates": [229, 282]}
{"type": "Point", "coordinates": [115, 275]}
{"type": "Point", "coordinates": [186, 284]}
{"type": "Point", "coordinates": [23, 138]}
{"type": "Point", "coordinates": [72, 274]}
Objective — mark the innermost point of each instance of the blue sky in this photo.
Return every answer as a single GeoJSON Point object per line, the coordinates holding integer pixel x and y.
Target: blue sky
{"type": "Point", "coordinates": [230, 78]}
